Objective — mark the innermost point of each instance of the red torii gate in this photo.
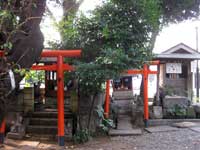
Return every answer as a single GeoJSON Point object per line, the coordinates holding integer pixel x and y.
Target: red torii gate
{"type": "Point", "coordinates": [60, 67]}
{"type": "Point", "coordinates": [3, 124]}
{"type": "Point", "coordinates": [145, 72]}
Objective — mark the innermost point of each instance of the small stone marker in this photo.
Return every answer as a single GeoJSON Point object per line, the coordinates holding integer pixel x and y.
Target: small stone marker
{"type": "Point", "coordinates": [161, 129]}
{"type": "Point", "coordinates": [184, 124]}
{"type": "Point", "coordinates": [157, 112]}
{"type": "Point", "coordinates": [15, 136]}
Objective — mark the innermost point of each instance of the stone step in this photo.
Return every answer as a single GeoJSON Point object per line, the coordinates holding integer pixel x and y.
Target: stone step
{"type": "Point", "coordinates": [46, 121]}
{"type": "Point", "coordinates": [124, 106]}
{"type": "Point", "coordinates": [44, 114]}
{"type": "Point", "coordinates": [130, 132]}
{"type": "Point", "coordinates": [42, 129]}
{"type": "Point", "coordinates": [123, 94]}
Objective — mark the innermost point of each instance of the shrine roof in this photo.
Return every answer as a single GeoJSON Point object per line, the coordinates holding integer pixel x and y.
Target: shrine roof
{"type": "Point", "coordinates": [180, 51]}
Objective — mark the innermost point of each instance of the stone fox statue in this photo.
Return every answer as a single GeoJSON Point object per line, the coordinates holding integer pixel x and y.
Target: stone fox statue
{"type": "Point", "coordinates": [27, 43]}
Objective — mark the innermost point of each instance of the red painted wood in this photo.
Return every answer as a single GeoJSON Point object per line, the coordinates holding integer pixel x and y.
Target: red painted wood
{"type": "Point", "coordinates": [64, 53]}
{"type": "Point", "coordinates": [135, 71]}
{"type": "Point", "coordinates": [66, 67]}
{"type": "Point", "coordinates": [3, 126]}
{"type": "Point", "coordinates": [141, 72]}
{"type": "Point", "coordinates": [60, 97]}
{"type": "Point", "coordinates": [1, 53]}
{"type": "Point", "coordinates": [107, 100]}
{"type": "Point", "coordinates": [45, 67]}
{"type": "Point", "coordinates": [145, 86]}
{"type": "Point", "coordinates": [155, 62]}
{"type": "Point", "coordinates": [55, 53]}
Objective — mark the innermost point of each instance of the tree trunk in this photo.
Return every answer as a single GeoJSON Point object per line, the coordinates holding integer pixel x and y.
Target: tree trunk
{"type": "Point", "coordinates": [91, 110]}
{"type": "Point", "coordinates": [26, 42]}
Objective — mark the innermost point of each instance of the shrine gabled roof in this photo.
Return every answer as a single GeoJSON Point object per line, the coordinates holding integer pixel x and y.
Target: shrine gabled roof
{"type": "Point", "coordinates": [180, 51]}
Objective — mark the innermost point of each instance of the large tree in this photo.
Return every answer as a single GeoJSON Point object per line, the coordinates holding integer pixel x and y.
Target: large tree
{"type": "Point", "coordinates": [21, 40]}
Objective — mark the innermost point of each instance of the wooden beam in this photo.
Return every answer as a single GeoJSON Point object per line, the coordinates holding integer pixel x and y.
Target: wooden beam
{"type": "Point", "coordinates": [64, 53]}
{"type": "Point", "coordinates": [66, 67]}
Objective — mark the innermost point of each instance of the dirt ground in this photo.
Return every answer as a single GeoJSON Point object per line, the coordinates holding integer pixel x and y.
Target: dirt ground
{"type": "Point", "coordinates": [181, 139]}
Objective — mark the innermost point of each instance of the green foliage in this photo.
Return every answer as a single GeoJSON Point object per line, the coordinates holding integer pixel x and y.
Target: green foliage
{"type": "Point", "coordinates": [21, 72]}
{"type": "Point", "coordinates": [32, 77]}
{"type": "Point", "coordinates": [81, 136]}
{"type": "Point", "coordinates": [105, 123]}
{"type": "Point", "coordinates": [114, 38]}
{"type": "Point", "coordinates": [109, 65]}
{"type": "Point", "coordinates": [176, 10]}
{"type": "Point", "coordinates": [168, 90]}
{"type": "Point", "coordinates": [7, 45]}
{"type": "Point", "coordinates": [177, 111]}
{"type": "Point", "coordinates": [8, 22]}
{"type": "Point", "coordinates": [118, 35]}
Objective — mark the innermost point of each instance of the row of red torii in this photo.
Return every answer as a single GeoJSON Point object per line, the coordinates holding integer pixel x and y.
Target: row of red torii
{"type": "Point", "coordinates": [60, 67]}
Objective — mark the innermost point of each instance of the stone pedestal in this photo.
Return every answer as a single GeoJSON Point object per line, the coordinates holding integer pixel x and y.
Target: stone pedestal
{"type": "Point", "coordinates": [18, 128]}
{"type": "Point", "coordinates": [28, 99]}
{"type": "Point", "coordinates": [157, 112]}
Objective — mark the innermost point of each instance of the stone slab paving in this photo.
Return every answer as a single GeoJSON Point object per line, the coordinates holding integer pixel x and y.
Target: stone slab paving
{"type": "Point", "coordinates": [161, 129]}
{"type": "Point", "coordinates": [129, 132]}
{"type": "Point", "coordinates": [124, 123]}
{"type": "Point", "coordinates": [195, 129]}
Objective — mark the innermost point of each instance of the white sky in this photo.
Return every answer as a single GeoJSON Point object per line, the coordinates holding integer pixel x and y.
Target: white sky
{"type": "Point", "coordinates": [174, 34]}
{"type": "Point", "coordinates": [170, 36]}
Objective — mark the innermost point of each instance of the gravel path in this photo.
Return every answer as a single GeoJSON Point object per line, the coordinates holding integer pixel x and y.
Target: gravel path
{"type": "Point", "coordinates": [183, 139]}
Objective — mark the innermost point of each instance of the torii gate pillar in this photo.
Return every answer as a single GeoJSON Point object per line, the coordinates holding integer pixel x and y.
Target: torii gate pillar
{"type": "Point", "coordinates": [2, 131]}
{"type": "Point", "coordinates": [60, 102]}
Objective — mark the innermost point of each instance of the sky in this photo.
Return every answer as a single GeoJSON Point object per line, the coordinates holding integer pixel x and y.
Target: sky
{"type": "Point", "coordinates": [168, 37]}
{"type": "Point", "coordinates": [174, 34]}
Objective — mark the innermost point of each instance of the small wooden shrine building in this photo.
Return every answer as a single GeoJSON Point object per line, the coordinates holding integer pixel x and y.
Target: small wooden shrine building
{"type": "Point", "coordinates": [175, 69]}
